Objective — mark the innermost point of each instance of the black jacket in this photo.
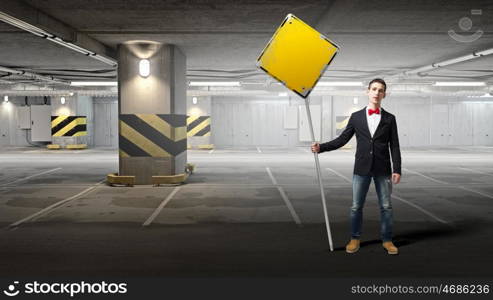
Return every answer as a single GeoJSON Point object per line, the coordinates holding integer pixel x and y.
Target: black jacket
{"type": "Point", "coordinates": [372, 154]}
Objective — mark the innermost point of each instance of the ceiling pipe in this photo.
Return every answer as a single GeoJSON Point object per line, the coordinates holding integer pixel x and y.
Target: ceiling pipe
{"type": "Point", "coordinates": [53, 38]}
{"type": "Point", "coordinates": [448, 62]}
{"type": "Point", "coordinates": [33, 75]}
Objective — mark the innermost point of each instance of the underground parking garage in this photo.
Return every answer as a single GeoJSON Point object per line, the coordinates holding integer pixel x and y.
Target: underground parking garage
{"type": "Point", "coordinates": [152, 139]}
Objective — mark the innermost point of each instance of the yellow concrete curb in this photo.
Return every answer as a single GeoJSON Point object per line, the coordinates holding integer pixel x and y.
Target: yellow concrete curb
{"type": "Point", "coordinates": [169, 179]}
{"type": "Point", "coordinates": [206, 147]}
{"type": "Point", "coordinates": [113, 178]}
{"type": "Point", "coordinates": [76, 146]}
{"type": "Point", "coordinates": [53, 147]}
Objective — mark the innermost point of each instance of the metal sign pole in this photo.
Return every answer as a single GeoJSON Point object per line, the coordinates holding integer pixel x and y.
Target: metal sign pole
{"type": "Point", "coordinates": [319, 175]}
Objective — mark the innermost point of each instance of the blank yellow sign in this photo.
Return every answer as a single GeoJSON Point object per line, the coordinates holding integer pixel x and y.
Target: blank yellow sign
{"type": "Point", "coordinates": [297, 55]}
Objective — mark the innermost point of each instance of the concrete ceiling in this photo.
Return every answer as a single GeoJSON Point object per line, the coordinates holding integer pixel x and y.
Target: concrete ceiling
{"type": "Point", "coordinates": [222, 39]}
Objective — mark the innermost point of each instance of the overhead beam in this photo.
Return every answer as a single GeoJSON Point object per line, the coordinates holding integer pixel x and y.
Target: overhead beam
{"type": "Point", "coordinates": [33, 16]}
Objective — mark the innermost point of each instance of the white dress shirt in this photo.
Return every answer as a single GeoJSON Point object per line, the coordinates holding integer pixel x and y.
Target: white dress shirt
{"type": "Point", "coordinates": [373, 121]}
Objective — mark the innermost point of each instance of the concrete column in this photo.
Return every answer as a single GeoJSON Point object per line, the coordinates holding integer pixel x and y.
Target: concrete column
{"type": "Point", "coordinates": [152, 111]}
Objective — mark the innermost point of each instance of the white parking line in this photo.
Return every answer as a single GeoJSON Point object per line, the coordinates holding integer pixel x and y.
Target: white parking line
{"type": "Point", "coordinates": [427, 177]}
{"type": "Point", "coordinates": [210, 152]}
{"type": "Point", "coordinates": [476, 192]}
{"type": "Point", "coordinates": [400, 198]}
{"type": "Point", "coordinates": [274, 181]}
{"type": "Point", "coordinates": [420, 209]}
{"type": "Point", "coordinates": [295, 216]}
{"type": "Point", "coordinates": [54, 206]}
{"type": "Point", "coordinates": [29, 177]}
{"type": "Point", "coordinates": [340, 175]}
{"type": "Point", "coordinates": [284, 197]}
{"type": "Point", "coordinates": [453, 185]}
{"type": "Point", "coordinates": [161, 206]}
{"type": "Point", "coordinates": [258, 149]}
{"type": "Point", "coordinates": [238, 185]}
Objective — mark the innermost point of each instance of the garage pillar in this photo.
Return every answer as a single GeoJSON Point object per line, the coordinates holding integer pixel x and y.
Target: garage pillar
{"type": "Point", "coordinates": [152, 110]}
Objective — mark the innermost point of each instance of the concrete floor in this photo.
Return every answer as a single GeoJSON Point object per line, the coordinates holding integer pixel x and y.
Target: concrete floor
{"type": "Point", "coordinates": [244, 212]}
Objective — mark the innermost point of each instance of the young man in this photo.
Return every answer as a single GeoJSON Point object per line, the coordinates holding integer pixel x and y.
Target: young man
{"type": "Point", "coordinates": [376, 133]}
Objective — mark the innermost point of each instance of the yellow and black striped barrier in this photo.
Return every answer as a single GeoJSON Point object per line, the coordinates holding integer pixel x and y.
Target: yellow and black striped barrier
{"type": "Point", "coordinates": [150, 135]}
{"type": "Point", "coordinates": [68, 126]}
{"type": "Point", "coordinates": [198, 126]}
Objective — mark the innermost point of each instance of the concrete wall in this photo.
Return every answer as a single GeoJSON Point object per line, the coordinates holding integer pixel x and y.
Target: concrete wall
{"type": "Point", "coordinates": [260, 121]}
{"type": "Point", "coordinates": [11, 135]}
{"type": "Point", "coordinates": [422, 121]}
{"type": "Point", "coordinates": [443, 121]}
{"type": "Point", "coordinates": [85, 107]}
{"type": "Point", "coordinates": [105, 125]}
{"type": "Point", "coordinates": [251, 121]}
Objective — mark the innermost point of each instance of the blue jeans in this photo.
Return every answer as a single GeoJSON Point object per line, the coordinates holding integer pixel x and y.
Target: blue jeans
{"type": "Point", "coordinates": [383, 186]}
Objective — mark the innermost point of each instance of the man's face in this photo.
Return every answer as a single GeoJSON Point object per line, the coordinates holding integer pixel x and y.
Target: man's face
{"type": "Point", "coordinates": [376, 92]}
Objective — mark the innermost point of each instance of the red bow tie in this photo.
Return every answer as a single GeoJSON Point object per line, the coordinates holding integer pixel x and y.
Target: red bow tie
{"type": "Point", "coordinates": [371, 111]}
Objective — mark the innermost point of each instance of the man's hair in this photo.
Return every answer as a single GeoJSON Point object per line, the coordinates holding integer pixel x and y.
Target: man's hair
{"type": "Point", "coordinates": [379, 80]}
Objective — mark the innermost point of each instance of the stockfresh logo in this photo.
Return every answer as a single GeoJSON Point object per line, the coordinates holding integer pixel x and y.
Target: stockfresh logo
{"type": "Point", "coordinates": [71, 289]}
{"type": "Point", "coordinates": [11, 290]}
{"type": "Point", "coordinates": [466, 35]}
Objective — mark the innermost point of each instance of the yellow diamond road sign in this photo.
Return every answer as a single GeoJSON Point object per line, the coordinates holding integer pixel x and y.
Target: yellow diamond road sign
{"type": "Point", "coordinates": [297, 55]}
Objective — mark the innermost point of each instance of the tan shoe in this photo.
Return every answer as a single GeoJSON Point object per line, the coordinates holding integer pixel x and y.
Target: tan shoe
{"type": "Point", "coordinates": [390, 247]}
{"type": "Point", "coordinates": [352, 246]}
